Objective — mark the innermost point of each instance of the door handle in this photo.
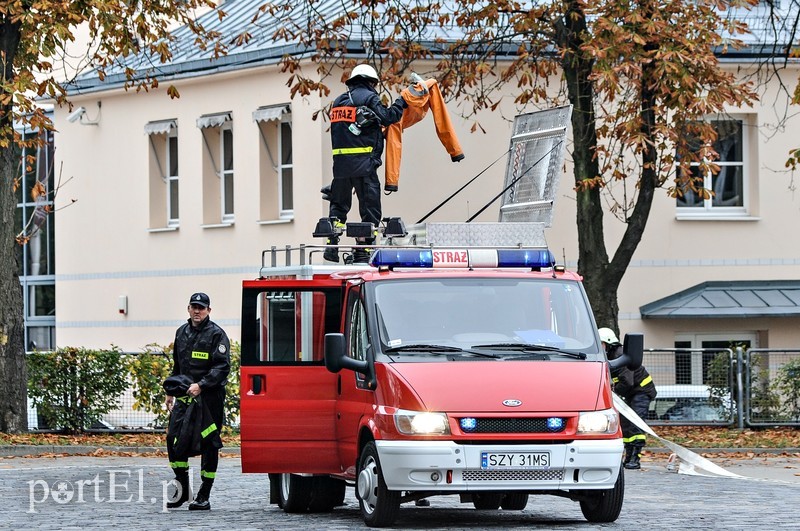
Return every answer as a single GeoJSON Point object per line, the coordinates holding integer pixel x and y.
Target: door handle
{"type": "Point", "coordinates": [257, 383]}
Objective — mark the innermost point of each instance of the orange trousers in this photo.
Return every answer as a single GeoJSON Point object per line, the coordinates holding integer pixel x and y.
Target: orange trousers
{"type": "Point", "coordinates": [419, 101]}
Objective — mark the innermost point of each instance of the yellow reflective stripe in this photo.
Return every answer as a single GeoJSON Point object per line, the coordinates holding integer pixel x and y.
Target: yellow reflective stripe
{"type": "Point", "coordinates": [179, 464]}
{"type": "Point", "coordinates": [209, 475]}
{"type": "Point", "coordinates": [208, 430]}
{"type": "Point", "coordinates": [186, 399]}
{"type": "Point", "coordinates": [199, 355]}
{"type": "Point", "coordinates": [632, 438]}
{"type": "Point", "coordinates": [352, 151]}
{"type": "Point", "coordinates": [615, 379]}
{"type": "Point", "coordinates": [646, 381]}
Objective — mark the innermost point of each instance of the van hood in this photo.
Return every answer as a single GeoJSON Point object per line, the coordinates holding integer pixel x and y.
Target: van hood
{"type": "Point", "coordinates": [481, 387]}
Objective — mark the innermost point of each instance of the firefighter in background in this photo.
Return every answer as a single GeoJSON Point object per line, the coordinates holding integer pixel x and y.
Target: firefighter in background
{"type": "Point", "coordinates": [637, 389]}
{"type": "Point", "coordinates": [357, 138]}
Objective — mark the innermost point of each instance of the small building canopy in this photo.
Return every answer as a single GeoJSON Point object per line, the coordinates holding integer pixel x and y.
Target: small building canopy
{"type": "Point", "coordinates": [742, 298]}
{"type": "Point", "coordinates": [271, 112]}
{"type": "Point", "coordinates": [160, 127]}
{"type": "Point", "coordinates": [213, 120]}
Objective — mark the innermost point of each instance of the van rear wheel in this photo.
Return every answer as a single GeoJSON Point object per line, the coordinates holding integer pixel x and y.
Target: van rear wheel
{"type": "Point", "coordinates": [487, 501]}
{"type": "Point", "coordinates": [379, 505]}
{"type": "Point", "coordinates": [514, 501]}
{"type": "Point", "coordinates": [603, 506]}
{"type": "Point", "coordinates": [327, 493]}
{"type": "Point", "coordinates": [295, 493]}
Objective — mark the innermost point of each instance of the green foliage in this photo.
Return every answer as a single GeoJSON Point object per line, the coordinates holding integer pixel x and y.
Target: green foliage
{"type": "Point", "coordinates": [787, 384]}
{"type": "Point", "coordinates": [74, 387]}
{"type": "Point", "coordinates": [149, 370]}
{"type": "Point", "coordinates": [764, 402]}
{"type": "Point", "coordinates": [722, 386]}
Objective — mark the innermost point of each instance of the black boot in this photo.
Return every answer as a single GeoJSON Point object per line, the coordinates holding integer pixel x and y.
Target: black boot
{"type": "Point", "coordinates": [628, 453]}
{"type": "Point", "coordinates": [633, 463]}
{"type": "Point", "coordinates": [331, 254]}
{"type": "Point", "coordinates": [361, 255]}
{"type": "Point", "coordinates": [201, 502]}
{"type": "Point", "coordinates": [183, 492]}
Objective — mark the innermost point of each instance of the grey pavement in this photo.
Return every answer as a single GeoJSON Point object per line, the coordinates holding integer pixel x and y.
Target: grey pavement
{"type": "Point", "coordinates": [88, 492]}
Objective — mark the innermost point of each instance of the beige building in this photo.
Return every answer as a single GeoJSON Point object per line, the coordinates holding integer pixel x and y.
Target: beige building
{"type": "Point", "coordinates": [161, 198]}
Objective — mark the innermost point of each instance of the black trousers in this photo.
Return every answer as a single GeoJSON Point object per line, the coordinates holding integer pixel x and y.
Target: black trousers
{"type": "Point", "coordinates": [209, 454]}
{"type": "Point", "coordinates": [368, 192]}
{"type": "Point", "coordinates": [631, 434]}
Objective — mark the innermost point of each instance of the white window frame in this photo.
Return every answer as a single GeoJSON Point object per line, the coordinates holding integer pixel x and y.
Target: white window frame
{"type": "Point", "coordinates": [710, 211]}
{"type": "Point", "coordinates": [173, 218]}
{"type": "Point", "coordinates": [225, 174]}
{"type": "Point", "coordinates": [696, 341]}
{"type": "Point", "coordinates": [286, 121]}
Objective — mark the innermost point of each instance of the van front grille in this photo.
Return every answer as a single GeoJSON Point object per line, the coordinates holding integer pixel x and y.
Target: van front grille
{"type": "Point", "coordinates": [512, 475]}
{"type": "Point", "coordinates": [515, 425]}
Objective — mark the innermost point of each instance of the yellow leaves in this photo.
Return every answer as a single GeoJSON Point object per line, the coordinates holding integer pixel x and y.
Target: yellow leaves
{"type": "Point", "coordinates": [38, 190]}
{"type": "Point", "coordinates": [172, 92]}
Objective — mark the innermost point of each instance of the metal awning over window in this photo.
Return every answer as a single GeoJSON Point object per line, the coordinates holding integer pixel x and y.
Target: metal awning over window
{"type": "Point", "coordinates": [270, 112]}
{"type": "Point", "coordinates": [744, 298]}
{"type": "Point", "coordinates": [213, 120]}
{"type": "Point", "coordinates": [160, 127]}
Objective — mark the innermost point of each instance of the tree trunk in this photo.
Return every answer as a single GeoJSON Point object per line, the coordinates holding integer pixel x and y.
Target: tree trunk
{"type": "Point", "coordinates": [13, 370]}
{"type": "Point", "coordinates": [592, 255]}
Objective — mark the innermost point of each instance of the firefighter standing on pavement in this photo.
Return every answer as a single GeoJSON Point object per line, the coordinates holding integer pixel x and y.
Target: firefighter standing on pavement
{"type": "Point", "coordinates": [202, 352]}
{"type": "Point", "coordinates": [357, 139]}
{"type": "Point", "coordinates": [637, 389]}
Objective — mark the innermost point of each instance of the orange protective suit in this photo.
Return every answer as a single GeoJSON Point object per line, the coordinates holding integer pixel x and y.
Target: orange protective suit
{"type": "Point", "coordinates": [419, 101]}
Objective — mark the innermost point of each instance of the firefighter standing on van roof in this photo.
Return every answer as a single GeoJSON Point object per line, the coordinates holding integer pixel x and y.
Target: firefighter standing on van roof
{"type": "Point", "coordinates": [202, 352]}
{"type": "Point", "coordinates": [357, 118]}
{"type": "Point", "coordinates": [637, 389]}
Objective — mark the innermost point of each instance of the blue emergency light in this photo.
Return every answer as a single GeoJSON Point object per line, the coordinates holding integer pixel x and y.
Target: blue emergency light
{"type": "Point", "coordinates": [468, 423]}
{"type": "Point", "coordinates": [555, 423]}
{"type": "Point", "coordinates": [462, 258]}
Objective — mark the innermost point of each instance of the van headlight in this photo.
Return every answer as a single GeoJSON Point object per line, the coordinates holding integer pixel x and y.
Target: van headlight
{"type": "Point", "coordinates": [598, 422]}
{"type": "Point", "coordinates": [421, 423]}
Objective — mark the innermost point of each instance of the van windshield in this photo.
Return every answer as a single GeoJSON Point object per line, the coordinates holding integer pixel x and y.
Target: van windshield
{"type": "Point", "coordinates": [482, 312]}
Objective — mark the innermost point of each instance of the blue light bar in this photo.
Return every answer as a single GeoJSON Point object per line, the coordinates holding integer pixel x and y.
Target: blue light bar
{"type": "Point", "coordinates": [525, 258]}
{"type": "Point", "coordinates": [555, 423]}
{"type": "Point", "coordinates": [462, 258]}
{"type": "Point", "coordinates": [402, 258]}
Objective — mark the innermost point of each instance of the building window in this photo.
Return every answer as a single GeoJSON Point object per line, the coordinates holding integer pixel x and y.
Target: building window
{"type": "Point", "coordinates": [727, 189]}
{"type": "Point", "coordinates": [218, 174]}
{"type": "Point", "coordinates": [36, 252]}
{"type": "Point", "coordinates": [692, 367]}
{"type": "Point", "coordinates": [163, 173]}
{"type": "Point", "coordinates": [276, 166]}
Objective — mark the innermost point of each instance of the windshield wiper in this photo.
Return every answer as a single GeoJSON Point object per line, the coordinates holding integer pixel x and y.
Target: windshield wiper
{"type": "Point", "coordinates": [419, 347]}
{"type": "Point", "coordinates": [416, 347]}
{"type": "Point", "coordinates": [527, 347]}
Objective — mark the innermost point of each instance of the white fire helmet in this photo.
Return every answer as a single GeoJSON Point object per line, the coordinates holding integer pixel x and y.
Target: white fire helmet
{"type": "Point", "coordinates": [608, 336]}
{"type": "Point", "coordinates": [365, 71]}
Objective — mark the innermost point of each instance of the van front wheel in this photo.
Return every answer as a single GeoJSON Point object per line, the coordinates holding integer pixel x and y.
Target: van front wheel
{"type": "Point", "coordinates": [379, 505]}
{"type": "Point", "coordinates": [603, 506]}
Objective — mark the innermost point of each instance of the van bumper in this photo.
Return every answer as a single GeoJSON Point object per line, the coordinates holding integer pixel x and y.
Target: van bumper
{"type": "Point", "coordinates": [448, 466]}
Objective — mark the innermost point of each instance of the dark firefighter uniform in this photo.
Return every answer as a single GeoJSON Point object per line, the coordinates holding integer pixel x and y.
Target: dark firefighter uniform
{"type": "Point", "coordinates": [638, 390]}
{"type": "Point", "coordinates": [357, 150]}
{"type": "Point", "coordinates": [203, 354]}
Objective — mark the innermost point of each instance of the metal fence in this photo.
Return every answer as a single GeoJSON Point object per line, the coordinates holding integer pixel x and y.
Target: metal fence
{"type": "Point", "coordinates": [722, 387]}
{"type": "Point", "coordinates": [757, 387]}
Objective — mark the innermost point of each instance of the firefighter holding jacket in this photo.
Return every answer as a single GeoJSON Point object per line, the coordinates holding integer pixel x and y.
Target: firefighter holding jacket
{"type": "Point", "coordinates": [201, 355]}
{"type": "Point", "coordinates": [357, 138]}
{"type": "Point", "coordinates": [637, 389]}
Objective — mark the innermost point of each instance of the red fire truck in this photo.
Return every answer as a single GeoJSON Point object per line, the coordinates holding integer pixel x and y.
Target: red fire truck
{"type": "Point", "coordinates": [453, 369]}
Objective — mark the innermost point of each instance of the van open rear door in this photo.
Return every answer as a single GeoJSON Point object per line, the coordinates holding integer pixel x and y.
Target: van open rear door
{"type": "Point", "coordinates": [287, 396]}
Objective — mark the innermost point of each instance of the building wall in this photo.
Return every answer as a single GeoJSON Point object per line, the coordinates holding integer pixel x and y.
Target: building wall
{"type": "Point", "coordinates": [105, 248]}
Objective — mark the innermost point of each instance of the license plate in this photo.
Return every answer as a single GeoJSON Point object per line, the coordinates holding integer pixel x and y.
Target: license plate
{"type": "Point", "coordinates": [515, 460]}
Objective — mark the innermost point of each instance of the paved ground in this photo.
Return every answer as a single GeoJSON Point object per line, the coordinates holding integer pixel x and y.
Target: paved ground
{"type": "Point", "coordinates": [100, 492]}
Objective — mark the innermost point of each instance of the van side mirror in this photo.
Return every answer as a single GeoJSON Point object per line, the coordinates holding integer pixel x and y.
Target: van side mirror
{"type": "Point", "coordinates": [632, 353]}
{"type": "Point", "coordinates": [336, 358]}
